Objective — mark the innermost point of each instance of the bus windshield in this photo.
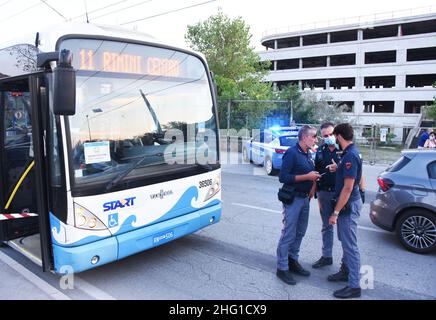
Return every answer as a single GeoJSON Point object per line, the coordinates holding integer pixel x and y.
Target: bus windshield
{"type": "Point", "coordinates": [134, 103]}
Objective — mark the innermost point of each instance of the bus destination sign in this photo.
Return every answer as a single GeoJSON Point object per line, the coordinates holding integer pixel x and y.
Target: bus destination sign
{"type": "Point", "coordinates": [106, 61]}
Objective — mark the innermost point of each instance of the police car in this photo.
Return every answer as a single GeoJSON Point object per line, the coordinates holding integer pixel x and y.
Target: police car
{"type": "Point", "coordinates": [268, 147]}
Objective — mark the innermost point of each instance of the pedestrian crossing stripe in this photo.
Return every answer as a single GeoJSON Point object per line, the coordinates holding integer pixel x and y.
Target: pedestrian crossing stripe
{"type": "Point", "coordinates": [13, 216]}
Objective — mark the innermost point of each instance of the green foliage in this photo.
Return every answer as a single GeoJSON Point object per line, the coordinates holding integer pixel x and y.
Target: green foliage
{"type": "Point", "coordinates": [237, 67]}
{"type": "Point", "coordinates": [431, 111]}
{"type": "Point", "coordinates": [368, 134]}
{"type": "Point", "coordinates": [308, 108]}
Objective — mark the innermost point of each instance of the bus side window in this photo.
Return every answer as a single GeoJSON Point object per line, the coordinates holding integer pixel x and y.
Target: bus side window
{"type": "Point", "coordinates": [56, 173]}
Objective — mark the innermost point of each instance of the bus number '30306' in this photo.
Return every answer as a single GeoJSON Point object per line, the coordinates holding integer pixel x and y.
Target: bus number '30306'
{"type": "Point", "coordinates": [205, 183]}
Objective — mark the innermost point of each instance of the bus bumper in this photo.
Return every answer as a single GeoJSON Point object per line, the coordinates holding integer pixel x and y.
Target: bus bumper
{"type": "Point", "coordinates": [81, 258]}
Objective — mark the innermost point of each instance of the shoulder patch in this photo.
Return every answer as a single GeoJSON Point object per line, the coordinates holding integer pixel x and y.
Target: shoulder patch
{"type": "Point", "coordinates": [348, 165]}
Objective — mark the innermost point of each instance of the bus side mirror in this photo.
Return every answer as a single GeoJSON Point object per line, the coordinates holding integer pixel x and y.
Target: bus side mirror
{"type": "Point", "coordinates": [64, 97]}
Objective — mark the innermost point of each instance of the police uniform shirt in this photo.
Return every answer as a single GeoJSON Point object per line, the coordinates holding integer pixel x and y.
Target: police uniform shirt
{"type": "Point", "coordinates": [296, 162]}
{"type": "Point", "coordinates": [350, 166]}
{"type": "Point", "coordinates": [324, 158]}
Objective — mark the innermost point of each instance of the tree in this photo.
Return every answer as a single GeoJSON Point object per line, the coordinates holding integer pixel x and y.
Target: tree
{"type": "Point", "coordinates": [431, 110]}
{"type": "Point", "coordinates": [322, 110]}
{"type": "Point", "coordinates": [307, 107]}
{"type": "Point", "coordinates": [237, 68]}
{"type": "Point", "coordinates": [25, 56]}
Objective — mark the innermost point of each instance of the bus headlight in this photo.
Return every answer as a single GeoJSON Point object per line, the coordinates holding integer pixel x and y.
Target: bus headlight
{"type": "Point", "coordinates": [86, 220]}
{"type": "Point", "coordinates": [214, 189]}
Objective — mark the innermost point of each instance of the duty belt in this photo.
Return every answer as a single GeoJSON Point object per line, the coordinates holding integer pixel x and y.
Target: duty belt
{"type": "Point", "coordinates": [328, 189]}
{"type": "Point", "coordinates": [301, 194]}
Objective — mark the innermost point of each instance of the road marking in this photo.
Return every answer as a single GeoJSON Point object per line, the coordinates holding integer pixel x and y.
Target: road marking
{"type": "Point", "coordinates": [91, 290]}
{"type": "Point", "coordinates": [278, 211]}
{"type": "Point", "coordinates": [35, 280]}
{"type": "Point", "coordinates": [373, 230]}
{"type": "Point", "coordinates": [256, 208]}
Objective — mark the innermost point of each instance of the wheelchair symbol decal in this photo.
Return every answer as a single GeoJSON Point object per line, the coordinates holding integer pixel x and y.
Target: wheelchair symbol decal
{"type": "Point", "coordinates": [113, 220]}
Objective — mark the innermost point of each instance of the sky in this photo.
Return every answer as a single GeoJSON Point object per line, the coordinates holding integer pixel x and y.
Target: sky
{"type": "Point", "coordinates": [165, 19]}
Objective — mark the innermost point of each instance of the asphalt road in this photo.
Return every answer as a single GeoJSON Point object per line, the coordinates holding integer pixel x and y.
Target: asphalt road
{"type": "Point", "coordinates": [235, 259]}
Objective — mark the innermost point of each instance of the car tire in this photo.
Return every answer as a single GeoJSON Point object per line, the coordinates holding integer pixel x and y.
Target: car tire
{"type": "Point", "coordinates": [269, 167]}
{"type": "Point", "coordinates": [416, 230]}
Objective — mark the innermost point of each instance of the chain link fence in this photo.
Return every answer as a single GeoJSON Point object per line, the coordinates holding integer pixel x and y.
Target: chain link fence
{"type": "Point", "coordinates": [240, 120]}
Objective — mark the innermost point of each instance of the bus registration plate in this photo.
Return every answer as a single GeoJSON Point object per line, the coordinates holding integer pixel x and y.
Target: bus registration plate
{"type": "Point", "coordinates": [163, 238]}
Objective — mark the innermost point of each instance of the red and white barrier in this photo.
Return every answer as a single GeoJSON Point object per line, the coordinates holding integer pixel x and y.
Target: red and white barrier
{"type": "Point", "coordinates": [13, 216]}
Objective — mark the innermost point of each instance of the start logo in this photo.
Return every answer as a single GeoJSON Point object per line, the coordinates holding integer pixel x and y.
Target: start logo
{"type": "Point", "coordinates": [119, 204]}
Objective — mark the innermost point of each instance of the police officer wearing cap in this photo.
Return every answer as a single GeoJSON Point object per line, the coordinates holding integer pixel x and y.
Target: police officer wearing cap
{"type": "Point", "coordinates": [297, 172]}
{"type": "Point", "coordinates": [347, 208]}
{"type": "Point", "coordinates": [326, 160]}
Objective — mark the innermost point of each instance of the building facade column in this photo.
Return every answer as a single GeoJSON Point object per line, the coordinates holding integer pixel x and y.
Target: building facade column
{"type": "Point", "coordinates": [358, 107]}
{"type": "Point", "coordinates": [359, 35]}
{"type": "Point", "coordinates": [402, 56]}
{"type": "Point", "coordinates": [400, 81]}
{"type": "Point", "coordinates": [399, 107]}
{"type": "Point", "coordinates": [360, 83]}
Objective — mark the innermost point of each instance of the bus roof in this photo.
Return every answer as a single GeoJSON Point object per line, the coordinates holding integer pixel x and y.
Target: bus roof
{"type": "Point", "coordinates": [49, 37]}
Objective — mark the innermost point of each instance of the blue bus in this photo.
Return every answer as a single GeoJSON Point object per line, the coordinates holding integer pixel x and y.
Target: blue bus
{"type": "Point", "coordinates": [110, 142]}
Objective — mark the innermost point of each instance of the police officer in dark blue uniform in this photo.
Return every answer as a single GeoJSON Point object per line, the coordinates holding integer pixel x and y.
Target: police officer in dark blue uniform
{"type": "Point", "coordinates": [347, 209]}
{"type": "Point", "coordinates": [297, 173]}
{"type": "Point", "coordinates": [326, 160]}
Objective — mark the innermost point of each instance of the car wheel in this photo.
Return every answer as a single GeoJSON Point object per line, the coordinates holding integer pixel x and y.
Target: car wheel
{"type": "Point", "coordinates": [416, 230]}
{"type": "Point", "coordinates": [269, 167]}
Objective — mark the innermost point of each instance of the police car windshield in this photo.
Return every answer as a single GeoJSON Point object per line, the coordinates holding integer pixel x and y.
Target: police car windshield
{"type": "Point", "coordinates": [133, 101]}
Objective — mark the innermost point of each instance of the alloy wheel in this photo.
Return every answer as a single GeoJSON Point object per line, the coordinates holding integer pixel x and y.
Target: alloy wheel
{"type": "Point", "coordinates": [418, 232]}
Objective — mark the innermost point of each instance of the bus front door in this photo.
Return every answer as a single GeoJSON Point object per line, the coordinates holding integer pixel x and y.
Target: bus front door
{"type": "Point", "coordinates": [23, 195]}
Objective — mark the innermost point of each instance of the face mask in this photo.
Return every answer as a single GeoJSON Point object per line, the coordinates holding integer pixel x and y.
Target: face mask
{"type": "Point", "coordinates": [330, 140]}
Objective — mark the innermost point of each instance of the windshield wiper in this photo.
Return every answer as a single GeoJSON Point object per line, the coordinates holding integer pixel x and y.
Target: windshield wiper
{"type": "Point", "coordinates": [115, 181]}
{"type": "Point", "coordinates": [153, 114]}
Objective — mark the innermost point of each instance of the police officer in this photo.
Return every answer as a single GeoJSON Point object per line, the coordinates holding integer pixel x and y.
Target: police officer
{"type": "Point", "coordinates": [326, 160]}
{"type": "Point", "coordinates": [347, 209]}
{"type": "Point", "coordinates": [297, 171]}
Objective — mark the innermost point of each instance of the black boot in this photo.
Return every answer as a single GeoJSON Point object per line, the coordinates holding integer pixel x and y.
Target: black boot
{"type": "Point", "coordinates": [322, 262]}
{"type": "Point", "coordinates": [295, 267]}
{"type": "Point", "coordinates": [342, 275]}
{"type": "Point", "coordinates": [286, 277]}
{"type": "Point", "coordinates": [347, 292]}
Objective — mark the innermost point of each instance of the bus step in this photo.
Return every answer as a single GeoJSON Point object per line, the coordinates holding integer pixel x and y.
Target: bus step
{"type": "Point", "coordinates": [29, 246]}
